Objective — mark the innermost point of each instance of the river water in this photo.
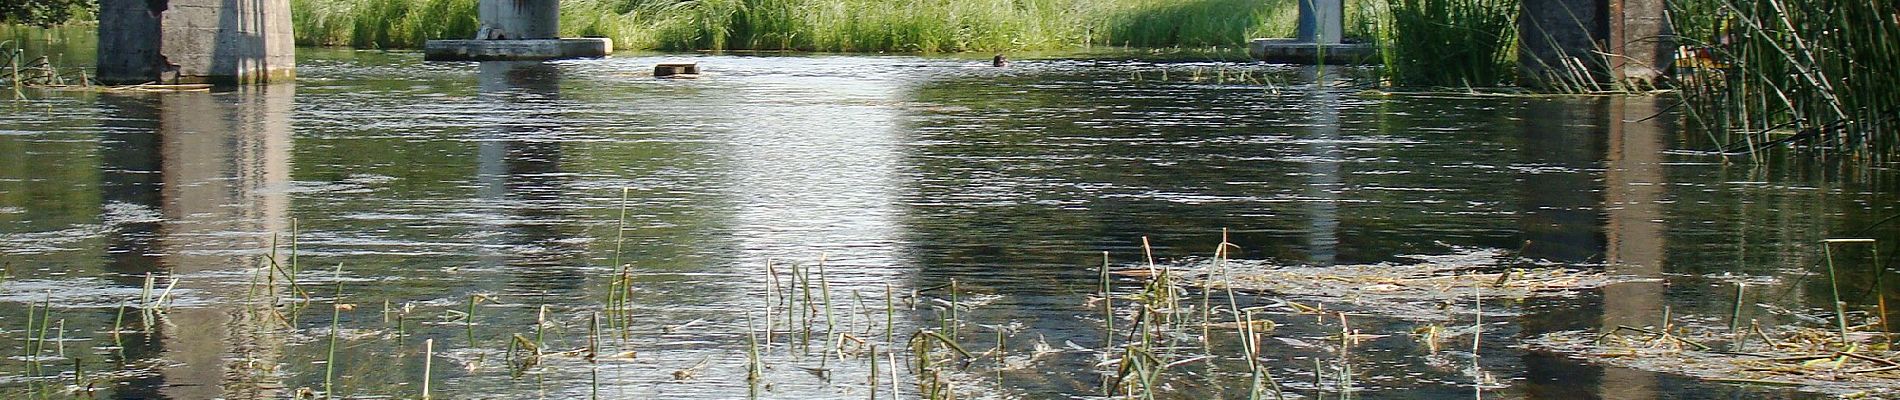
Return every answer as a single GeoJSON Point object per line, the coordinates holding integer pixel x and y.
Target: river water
{"type": "Point", "coordinates": [421, 186]}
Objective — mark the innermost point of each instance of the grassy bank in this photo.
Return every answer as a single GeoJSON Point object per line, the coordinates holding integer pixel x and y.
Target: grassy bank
{"type": "Point", "coordinates": [1817, 73]}
{"type": "Point", "coordinates": [822, 25]}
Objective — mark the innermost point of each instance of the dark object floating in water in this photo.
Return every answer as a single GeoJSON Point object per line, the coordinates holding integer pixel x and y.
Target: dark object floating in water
{"type": "Point", "coordinates": [1000, 61]}
{"type": "Point", "coordinates": [676, 70]}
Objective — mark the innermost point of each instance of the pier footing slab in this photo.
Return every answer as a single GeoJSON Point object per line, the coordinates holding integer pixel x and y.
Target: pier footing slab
{"type": "Point", "coordinates": [516, 50]}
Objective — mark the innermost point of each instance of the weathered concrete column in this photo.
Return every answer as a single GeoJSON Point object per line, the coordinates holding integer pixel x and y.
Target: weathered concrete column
{"type": "Point", "coordinates": [1642, 42]}
{"type": "Point", "coordinates": [1321, 21]}
{"type": "Point", "coordinates": [1318, 39]}
{"type": "Point", "coordinates": [517, 30]}
{"type": "Point", "coordinates": [195, 41]}
{"type": "Point", "coordinates": [1593, 44]}
{"type": "Point", "coordinates": [520, 19]}
{"type": "Point", "coordinates": [1558, 43]}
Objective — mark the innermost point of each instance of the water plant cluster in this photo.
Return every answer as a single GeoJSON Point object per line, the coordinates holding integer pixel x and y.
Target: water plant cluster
{"type": "Point", "coordinates": [1773, 72]}
{"type": "Point", "coordinates": [18, 72]}
{"type": "Point", "coordinates": [822, 25]}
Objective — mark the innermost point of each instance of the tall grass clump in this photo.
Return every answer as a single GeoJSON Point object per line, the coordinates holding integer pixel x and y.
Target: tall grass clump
{"type": "Point", "coordinates": [823, 25]}
{"type": "Point", "coordinates": [381, 24]}
{"type": "Point", "coordinates": [1456, 43]}
{"type": "Point", "coordinates": [1198, 23]}
{"type": "Point", "coordinates": [321, 23]}
{"type": "Point", "coordinates": [1818, 73]}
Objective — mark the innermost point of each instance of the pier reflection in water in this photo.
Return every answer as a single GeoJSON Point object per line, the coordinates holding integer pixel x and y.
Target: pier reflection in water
{"type": "Point", "coordinates": [524, 194]}
{"type": "Point", "coordinates": [436, 183]}
{"type": "Point", "coordinates": [192, 186]}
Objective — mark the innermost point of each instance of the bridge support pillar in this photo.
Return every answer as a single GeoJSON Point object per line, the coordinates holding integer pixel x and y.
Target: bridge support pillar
{"type": "Point", "coordinates": [195, 41]}
{"type": "Point", "coordinates": [517, 30]}
{"type": "Point", "coordinates": [1593, 44]}
{"type": "Point", "coordinates": [1319, 39]}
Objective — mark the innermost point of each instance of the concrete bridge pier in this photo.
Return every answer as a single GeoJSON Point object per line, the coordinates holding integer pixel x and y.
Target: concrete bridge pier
{"type": "Point", "coordinates": [515, 30]}
{"type": "Point", "coordinates": [195, 41]}
{"type": "Point", "coordinates": [1594, 44]}
{"type": "Point", "coordinates": [1319, 39]}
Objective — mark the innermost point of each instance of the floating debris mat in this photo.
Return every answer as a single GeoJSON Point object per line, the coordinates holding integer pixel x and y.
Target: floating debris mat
{"type": "Point", "coordinates": [1437, 288]}
{"type": "Point", "coordinates": [1805, 358]}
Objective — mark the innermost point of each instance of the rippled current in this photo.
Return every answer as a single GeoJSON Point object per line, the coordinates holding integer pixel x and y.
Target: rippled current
{"type": "Point", "coordinates": [420, 186]}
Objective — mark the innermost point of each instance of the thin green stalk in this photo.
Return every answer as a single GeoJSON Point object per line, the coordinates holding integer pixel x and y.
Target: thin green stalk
{"type": "Point", "coordinates": [468, 319]}
{"type": "Point", "coordinates": [890, 312]}
{"type": "Point", "coordinates": [1735, 319]}
{"type": "Point", "coordinates": [951, 324]}
{"type": "Point", "coordinates": [27, 347]}
{"type": "Point", "coordinates": [1834, 286]}
{"type": "Point", "coordinates": [1108, 307]}
{"type": "Point", "coordinates": [336, 318]}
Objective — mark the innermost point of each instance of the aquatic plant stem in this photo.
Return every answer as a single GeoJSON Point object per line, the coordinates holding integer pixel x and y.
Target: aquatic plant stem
{"type": "Point", "coordinates": [873, 376]}
{"type": "Point", "coordinates": [1735, 319]}
{"type": "Point", "coordinates": [1834, 284]}
{"type": "Point", "coordinates": [428, 365]}
{"type": "Point", "coordinates": [951, 324]}
{"type": "Point", "coordinates": [892, 356]}
{"type": "Point", "coordinates": [618, 281]}
{"type": "Point", "coordinates": [468, 319]}
{"type": "Point", "coordinates": [336, 317]}
{"type": "Point", "coordinates": [890, 314]}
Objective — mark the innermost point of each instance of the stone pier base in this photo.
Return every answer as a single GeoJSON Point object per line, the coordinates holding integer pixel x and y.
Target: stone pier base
{"type": "Point", "coordinates": [195, 41]}
{"type": "Point", "coordinates": [516, 50]}
{"type": "Point", "coordinates": [1295, 51]}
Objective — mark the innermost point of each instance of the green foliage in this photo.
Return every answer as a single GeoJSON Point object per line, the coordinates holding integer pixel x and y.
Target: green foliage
{"type": "Point", "coordinates": [1197, 23]}
{"type": "Point", "coordinates": [1458, 43]}
{"type": "Point", "coordinates": [822, 25]}
{"type": "Point", "coordinates": [381, 24]}
{"type": "Point", "coordinates": [46, 13]}
{"type": "Point", "coordinates": [1818, 72]}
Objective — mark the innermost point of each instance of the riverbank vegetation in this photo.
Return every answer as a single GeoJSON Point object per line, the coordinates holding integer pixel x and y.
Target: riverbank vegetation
{"type": "Point", "coordinates": [823, 25]}
{"type": "Point", "coordinates": [46, 13]}
{"type": "Point", "coordinates": [1449, 43]}
{"type": "Point", "coordinates": [1775, 72]}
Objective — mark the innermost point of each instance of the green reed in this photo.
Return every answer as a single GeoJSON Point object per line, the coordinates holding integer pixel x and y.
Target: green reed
{"type": "Point", "coordinates": [1816, 73]}
{"type": "Point", "coordinates": [1449, 43]}
{"type": "Point", "coordinates": [381, 24]}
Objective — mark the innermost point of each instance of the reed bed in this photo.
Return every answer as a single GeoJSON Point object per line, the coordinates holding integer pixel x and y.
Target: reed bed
{"type": "Point", "coordinates": [1819, 74]}
{"type": "Point", "coordinates": [1448, 43]}
{"type": "Point", "coordinates": [17, 72]}
{"type": "Point", "coordinates": [381, 24]}
{"type": "Point", "coordinates": [822, 25]}
{"type": "Point", "coordinates": [1164, 325]}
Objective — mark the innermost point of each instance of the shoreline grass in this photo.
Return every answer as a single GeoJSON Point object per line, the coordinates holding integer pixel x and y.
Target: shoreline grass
{"type": "Point", "coordinates": [927, 26]}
